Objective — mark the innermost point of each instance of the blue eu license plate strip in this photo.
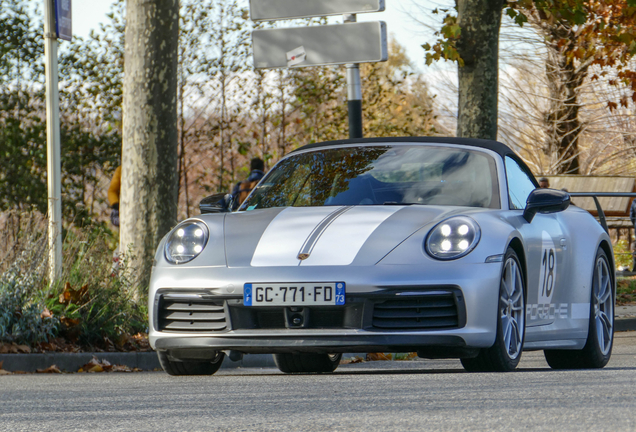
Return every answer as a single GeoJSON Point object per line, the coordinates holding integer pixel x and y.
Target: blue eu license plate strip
{"type": "Point", "coordinates": [294, 294]}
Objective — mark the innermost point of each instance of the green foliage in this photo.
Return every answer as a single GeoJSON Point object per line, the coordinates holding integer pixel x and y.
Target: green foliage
{"type": "Point", "coordinates": [622, 254]}
{"type": "Point", "coordinates": [573, 12]}
{"type": "Point", "coordinates": [22, 125]}
{"type": "Point", "coordinates": [402, 356]}
{"type": "Point", "coordinates": [95, 298]}
{"type": "Point", "coordinates": [90, 305]}
{"type": "Point", "coordinates": [21, 47]}
{"type": "Point", "coordinates": [90, 93]}
{"type": "Point", "coordinates": [517, 16]}
{"type": "Point", "coordinates": [446, 45]}
{"type": "Point", "coordinates": [23, 317]}
{"type": "Point", "coordinates": [625, 290]}
{"type": "Point", "coordinates": [22, 141]}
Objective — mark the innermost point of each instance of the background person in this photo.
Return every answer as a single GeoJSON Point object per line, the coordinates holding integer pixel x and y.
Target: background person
{"type": "Point", "coordinates": [113, 196]}
{"type": "Point", "coordinates": [243, 189]}
{"type": "Point", "coordinates": [632, 217]}
{"type": "Point", "coordinates": [544, 183]}
{"type": "Point", "coordinates": [113, 199]}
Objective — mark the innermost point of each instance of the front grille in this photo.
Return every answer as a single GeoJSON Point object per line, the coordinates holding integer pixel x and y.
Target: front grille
{"type": "Point", "coordinates": [270, 319]}
{"type": "Point", "coordinates": [418, 312]}
{"type": "Point", "coordinates": [191, 314]}
{"type": "Point", "coordinates": [275, 318]}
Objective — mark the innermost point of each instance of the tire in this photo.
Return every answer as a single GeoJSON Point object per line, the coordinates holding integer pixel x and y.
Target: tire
{"type": "Point", "coordinates": [600, 337]}
{"type": "Point", "coordinates": [307, 363]}
{"type": "Point", "coordinates": [505, 353]}
{"type": "Point", "coordinates": [177, 368]}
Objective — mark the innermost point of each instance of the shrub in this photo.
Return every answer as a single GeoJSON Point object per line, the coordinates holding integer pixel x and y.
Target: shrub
{"type": "Point", "coordinates": [95, 296]}
{"type": "Point", "coordinates": [92, 302]}
{"type": "Point", "coordinates": [23, 315]}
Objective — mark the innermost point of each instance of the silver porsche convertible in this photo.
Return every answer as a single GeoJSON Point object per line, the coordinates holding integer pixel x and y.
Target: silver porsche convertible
{"type": "Point", "coordinates": [443, 246]}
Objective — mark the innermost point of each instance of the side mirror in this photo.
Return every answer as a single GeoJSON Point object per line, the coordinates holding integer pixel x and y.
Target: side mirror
{"type": "Point", "coordinates": [217, 203]}
{"type": "Point", "coordinates": [545, 201]}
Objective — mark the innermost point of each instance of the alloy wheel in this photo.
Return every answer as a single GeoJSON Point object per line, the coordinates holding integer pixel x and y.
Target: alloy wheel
{"type": "Point", "coordinates": [603, 305]}
{"type": "Point", "coordinates": [511, 304]}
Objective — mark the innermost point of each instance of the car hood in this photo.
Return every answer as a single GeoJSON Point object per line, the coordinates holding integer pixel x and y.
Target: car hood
{"type": "Point", "coordinates": [324, 236]}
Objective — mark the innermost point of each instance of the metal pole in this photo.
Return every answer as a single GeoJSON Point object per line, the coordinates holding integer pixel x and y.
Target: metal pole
{"type": "Point", "coordinates": [354, 93]}
{"type": "Point", "coordinates": [54, 176]}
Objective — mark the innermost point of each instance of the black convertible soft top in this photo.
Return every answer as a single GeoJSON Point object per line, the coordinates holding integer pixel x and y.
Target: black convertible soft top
{"type": "Point", "coordinates": [495, 146]}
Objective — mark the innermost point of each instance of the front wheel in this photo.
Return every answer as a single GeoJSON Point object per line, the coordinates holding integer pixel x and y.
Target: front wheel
{"type": "Point", "coordinates": [505, 354]}
{"type": "Point", "coordinates": [177, 368]}
{"type": "Point", "coordinates": [307, 363]}
{"type": "Point", "coordinates": [600, 337]}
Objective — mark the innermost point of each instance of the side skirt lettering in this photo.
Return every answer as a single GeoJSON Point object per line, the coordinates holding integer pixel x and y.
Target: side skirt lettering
{"type": "Point", "coordinates": [555, 311]}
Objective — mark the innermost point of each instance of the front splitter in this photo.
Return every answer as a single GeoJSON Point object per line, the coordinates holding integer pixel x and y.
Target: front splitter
{"type": "Point", "coordinates": [324, 344]}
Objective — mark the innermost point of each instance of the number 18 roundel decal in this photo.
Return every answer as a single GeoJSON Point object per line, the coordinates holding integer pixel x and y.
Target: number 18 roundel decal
{"type": "Point", "coordinates": [547, 277]}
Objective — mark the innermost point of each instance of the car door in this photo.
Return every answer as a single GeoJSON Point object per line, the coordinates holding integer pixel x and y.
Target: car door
{"type": "Point", "coordinates": [546, 251]}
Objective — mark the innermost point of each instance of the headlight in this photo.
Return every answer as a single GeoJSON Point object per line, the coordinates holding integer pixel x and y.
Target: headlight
{"type": "Point", "coordinates": [186, 242]}
{"type": "Point", "coordinates": [453, 238]}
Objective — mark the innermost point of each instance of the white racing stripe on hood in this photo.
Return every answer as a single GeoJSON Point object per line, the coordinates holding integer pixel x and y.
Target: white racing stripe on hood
{"type": "Point", "coordinates": [342, 240]}
{"type": "Point", "coordinates": [285, 235]}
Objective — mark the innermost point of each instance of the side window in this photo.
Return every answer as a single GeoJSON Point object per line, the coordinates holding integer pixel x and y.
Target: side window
{"type": "Point", "coordinates": [519, 184]}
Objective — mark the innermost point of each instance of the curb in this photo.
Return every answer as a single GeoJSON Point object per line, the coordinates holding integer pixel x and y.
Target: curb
{"type": "Point", "coordinates": [71, 362]}
{"type": "Point", "coordinates": [625, 324]}
{"type": "Point", "coordinates": [148, 361]}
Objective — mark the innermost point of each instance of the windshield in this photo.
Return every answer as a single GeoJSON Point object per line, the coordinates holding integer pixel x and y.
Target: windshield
{"type": "Point", "coordinates": [380, 175]}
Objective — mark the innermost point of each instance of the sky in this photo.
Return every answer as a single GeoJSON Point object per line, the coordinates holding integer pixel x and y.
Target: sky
{"type": "Point", "coordinates": [87, 14]}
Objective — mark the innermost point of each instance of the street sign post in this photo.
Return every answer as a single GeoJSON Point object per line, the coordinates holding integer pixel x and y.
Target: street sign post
{"type": "Point", "coordinates": [270, 10]}
{"type": "Point", "coordinates": [351, 43]}
{"type": "Point", "coordinates": [57, 24]}
{"type": "Point", "coordinates": [323, 45]}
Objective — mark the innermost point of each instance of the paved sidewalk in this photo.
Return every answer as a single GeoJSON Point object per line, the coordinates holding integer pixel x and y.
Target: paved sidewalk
{"type": "Point", "coordinates": [71, 362]}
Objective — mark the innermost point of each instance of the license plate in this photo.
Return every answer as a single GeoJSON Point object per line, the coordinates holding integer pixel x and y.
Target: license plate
{"type": "Point", "coordinates": [294, 294]}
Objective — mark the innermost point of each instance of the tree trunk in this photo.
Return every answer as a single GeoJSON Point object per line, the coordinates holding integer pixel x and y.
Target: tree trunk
{"type": "Point", "coordinates": [478, 46]}
{"type": "Point", "coordinates": [222, 138]}
{"type": "Point", "coordinates": [149, 186]}
{"type": "Point", "coordinates": [283, 107]}
{"type": "Point", "coordinates": [563, 126]}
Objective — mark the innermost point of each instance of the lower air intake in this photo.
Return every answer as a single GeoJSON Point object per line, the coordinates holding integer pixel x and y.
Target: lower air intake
{"type": "Point", "coordinates": [437, 311]}
{"type": "Point", "coordinates": [191, 315]}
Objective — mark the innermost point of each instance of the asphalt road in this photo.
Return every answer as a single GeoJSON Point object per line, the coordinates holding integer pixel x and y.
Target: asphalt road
{"type": "Point", "coordinates": [413, 395]}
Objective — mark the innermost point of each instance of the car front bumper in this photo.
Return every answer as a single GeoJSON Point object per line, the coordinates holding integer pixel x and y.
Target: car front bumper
{"type": "Point", "coordinates": [351, 328]}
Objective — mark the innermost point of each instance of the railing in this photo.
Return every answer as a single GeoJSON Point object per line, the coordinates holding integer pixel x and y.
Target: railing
{"type": "Point", "coordinates": [599, 209]}
{"type": "Point", "coordinates": [601, 214]}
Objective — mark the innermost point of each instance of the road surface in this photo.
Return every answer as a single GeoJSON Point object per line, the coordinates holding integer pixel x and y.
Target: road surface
{"type": "Point", "coordinates": [407, 395]}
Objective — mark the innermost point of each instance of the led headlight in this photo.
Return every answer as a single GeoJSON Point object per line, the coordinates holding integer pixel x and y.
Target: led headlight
{"type": "Point", "coordinates": [453, 238]}
{"type": "Point", "coordinates": [186, 242]}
